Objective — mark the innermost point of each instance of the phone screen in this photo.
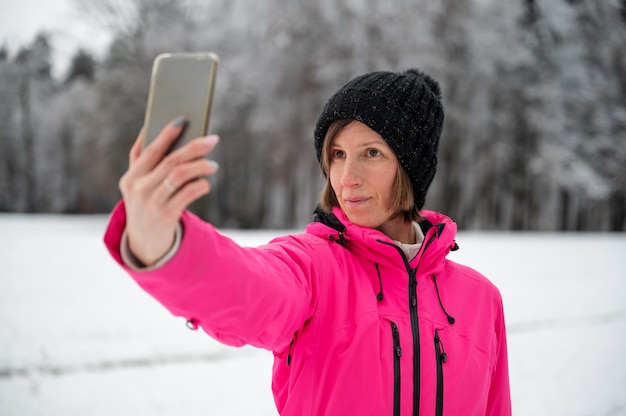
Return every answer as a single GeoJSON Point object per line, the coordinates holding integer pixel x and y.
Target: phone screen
{"type": "Point", "coordinates": [181, 85]}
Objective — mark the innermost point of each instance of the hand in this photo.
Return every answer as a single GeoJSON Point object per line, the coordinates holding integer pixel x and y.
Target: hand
{"type": "Point", "coordinates": [158, 188]}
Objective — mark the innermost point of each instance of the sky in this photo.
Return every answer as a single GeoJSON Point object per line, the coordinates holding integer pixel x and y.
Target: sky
{"type": "Point", "coordinates": [21, 20]}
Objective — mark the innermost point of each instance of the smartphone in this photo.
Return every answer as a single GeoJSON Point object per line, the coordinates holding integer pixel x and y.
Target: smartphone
{"type": "Point", "coordinates": [181, 84]}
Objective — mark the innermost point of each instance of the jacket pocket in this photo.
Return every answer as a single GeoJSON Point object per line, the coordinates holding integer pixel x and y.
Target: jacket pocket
{"type": "Point", "coordinates": [441, 358]}
{"type": "Point", "coordinates": [397, 353]}
{"type": "Point", "coordinates": [290, 350]}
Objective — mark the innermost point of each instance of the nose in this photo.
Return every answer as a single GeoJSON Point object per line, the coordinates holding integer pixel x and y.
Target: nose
{"type": "Point", "coordinates": [351, 175]}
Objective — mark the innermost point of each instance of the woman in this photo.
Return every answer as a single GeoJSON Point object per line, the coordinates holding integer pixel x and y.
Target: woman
{"type": "Point", "coordinates": [363, 312]}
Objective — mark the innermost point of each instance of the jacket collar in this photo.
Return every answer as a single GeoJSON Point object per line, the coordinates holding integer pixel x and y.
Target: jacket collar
{"type": "Point", "coordinates": [439, 232]}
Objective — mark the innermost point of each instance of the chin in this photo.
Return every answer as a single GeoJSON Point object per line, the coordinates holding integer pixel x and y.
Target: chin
{"type": "Point", "coordinates": [362, 221]}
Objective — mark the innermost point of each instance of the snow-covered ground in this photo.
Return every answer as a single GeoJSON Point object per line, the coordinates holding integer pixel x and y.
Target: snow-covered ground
{"type": "Point", "coordinates": [78, 337]}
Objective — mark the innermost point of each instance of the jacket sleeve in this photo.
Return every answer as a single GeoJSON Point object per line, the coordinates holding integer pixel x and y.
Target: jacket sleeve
{"type": "Point", "coordinates": [499, 399]}
{"type": "Point", "coordinates": [133, 262]}
{"type": "Point", "coordinates": [257, 296]}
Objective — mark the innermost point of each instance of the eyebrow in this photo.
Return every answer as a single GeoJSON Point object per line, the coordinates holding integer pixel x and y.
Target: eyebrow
{"type": "Point", "coordinates": [366, 144]}
{"type": "Point", "coordinates": [371, 143]}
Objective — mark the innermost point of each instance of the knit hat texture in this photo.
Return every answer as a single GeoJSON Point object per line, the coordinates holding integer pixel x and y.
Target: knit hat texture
{"type": "Point", "coordinates": [404, 108]}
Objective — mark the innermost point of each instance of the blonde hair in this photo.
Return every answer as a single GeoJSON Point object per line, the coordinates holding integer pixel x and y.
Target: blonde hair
{"type": "Point", "coordinates": [403, 201]}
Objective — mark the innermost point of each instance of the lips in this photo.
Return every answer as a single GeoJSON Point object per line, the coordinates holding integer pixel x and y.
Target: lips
{"type": "Point", "coordinates": [354, 201]}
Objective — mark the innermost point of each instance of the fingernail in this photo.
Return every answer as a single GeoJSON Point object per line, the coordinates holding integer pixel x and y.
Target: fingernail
{"type": "Point", "coordinates": [214, 164]}
{"type": "Point", "coordinates": [178, 121]}
{"type": "Point", "coordinates": [212, 139]}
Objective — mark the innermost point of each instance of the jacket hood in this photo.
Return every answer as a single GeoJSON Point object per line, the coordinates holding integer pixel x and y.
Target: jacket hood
{"type": "Point", "coordinates": [439, 239]}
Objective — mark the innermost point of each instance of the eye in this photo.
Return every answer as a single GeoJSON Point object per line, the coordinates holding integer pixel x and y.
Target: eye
{"type": "Point", "coordinates": [338, 154]}
{"type": "Point", "coordinates": [373, 153]}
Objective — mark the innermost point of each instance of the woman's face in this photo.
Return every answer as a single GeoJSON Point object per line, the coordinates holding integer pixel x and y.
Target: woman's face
{"type": "Point", "coordinates": [363, 171]}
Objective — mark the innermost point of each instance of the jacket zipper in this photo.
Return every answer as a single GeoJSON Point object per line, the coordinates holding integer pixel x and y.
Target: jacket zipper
{"type": "Point", "coordinates": [440, 357]}
{"type": "Point", "coordinates": [416, 339]}
{"type": "Point", "coordinates": [414, 320]}
{"type": "Point", "coordinates": [397, 353]}
{"type": "Point", "coordinates": [415, 326]}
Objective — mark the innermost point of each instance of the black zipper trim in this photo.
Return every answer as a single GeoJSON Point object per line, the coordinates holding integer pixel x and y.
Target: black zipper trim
{"type": "Point", "coordinates": [413, 312]}
{"type": "Point", "coordinates": [440, 357]}
{"type": "Point", "coordinates": [380, 295]}
{"type": "Point", "coordinates": [397, 353]}
{"type": "Point", "coordinates": [416, 340]}
{"type": "Point", "coordinates": [289, 351]}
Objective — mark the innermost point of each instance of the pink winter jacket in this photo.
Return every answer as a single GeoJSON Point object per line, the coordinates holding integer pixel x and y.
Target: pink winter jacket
{"type": "Point", "coordinates": [355, 328]}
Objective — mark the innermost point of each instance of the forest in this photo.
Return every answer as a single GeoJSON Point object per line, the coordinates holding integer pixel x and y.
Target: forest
{"type": "Point", "coordinates": [534, 94]}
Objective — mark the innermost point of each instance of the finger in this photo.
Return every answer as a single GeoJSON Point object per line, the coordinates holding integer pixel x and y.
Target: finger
{"type": "Point", "coordinates": [153, 153]}
{"type": "Point", "coordinates": [195, 150]}
{"type": "Point", "coordinates": [153, 184]}
{"type": "Point", "coordinates": [184, 175]}
{"type": "Point", "coordinates": [186, 195]}
{"type": "Point", "coordinates": [136, 149]}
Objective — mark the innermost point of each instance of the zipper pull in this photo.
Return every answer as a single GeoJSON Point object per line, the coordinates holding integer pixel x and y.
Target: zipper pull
{"type": "Point", "coordinates": [441, 351]}
{"type": "Point", "coordinates": [396, 339]}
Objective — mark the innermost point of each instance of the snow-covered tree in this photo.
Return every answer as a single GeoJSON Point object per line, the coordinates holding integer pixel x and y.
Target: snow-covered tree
{"type": "Point", "coordinates": [534, 92]}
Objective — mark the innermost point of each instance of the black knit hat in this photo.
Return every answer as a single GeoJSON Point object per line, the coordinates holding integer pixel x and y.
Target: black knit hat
{"type": "Point", "coordinates": [404, 108]}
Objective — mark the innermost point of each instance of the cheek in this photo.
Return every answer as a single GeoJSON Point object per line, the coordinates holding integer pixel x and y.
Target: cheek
{"type": "Point", "coordinates": [334, 179]}
{"type": "Point", "coordinates": [386, 185]}
{"type": "Point", "coordinates": [387, 182]}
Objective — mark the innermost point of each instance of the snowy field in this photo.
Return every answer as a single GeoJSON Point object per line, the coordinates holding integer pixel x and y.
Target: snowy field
{"type": "Point", "coordinates": [78, 337]}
